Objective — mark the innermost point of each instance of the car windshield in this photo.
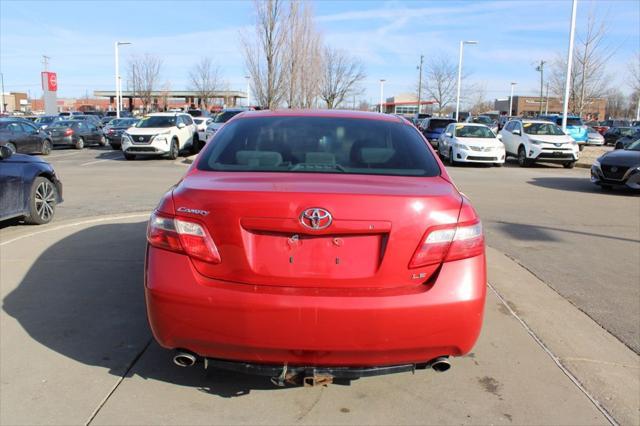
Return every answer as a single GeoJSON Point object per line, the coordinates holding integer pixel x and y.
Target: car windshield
{"type": "Point", "coordinates": [439, 124]}
{"type": "Point", "coordinates": [157, 121]}
{"type": "Point", "coordinates": [320, 145]}
{"type": "Point", "coordinates": [121, 122]}
{"type": "Point", "coordinates": [633, 146]}
{"type": "Point", "coordinates": [66, 123]}
{"type": "Point", "coordinates": [225, 116]}
{"type": "Point", "coordinates": [199, 120]}
{"type": "Point", "coordinates": [482, 120]}
{"type": "Point", "coordinates": [627, 131]}
{"type": "Point", "coordinates": [463, 131]}
{"type": "Point", "coordinates": [542, 129]}
{"type": "Point", "coordinates": [44, 120]}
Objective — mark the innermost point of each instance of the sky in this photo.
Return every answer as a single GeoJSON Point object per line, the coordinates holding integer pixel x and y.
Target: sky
{"type": "Point", "coordinates": [387, 36]}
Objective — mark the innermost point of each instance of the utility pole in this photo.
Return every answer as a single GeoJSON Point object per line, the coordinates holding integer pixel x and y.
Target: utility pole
{"type": "Point", "coordinates": [567, 84]}
{"type": "Point", "coordinates": [546, 103]}
{"type": "Point", "coordinates": [45, 61]}
{"type": "Point", "coordinates": [540, 69]}
{"type": "Point", "coordinates": [420, 84]}
{"type": "Point", "coordinates": [382, 94]}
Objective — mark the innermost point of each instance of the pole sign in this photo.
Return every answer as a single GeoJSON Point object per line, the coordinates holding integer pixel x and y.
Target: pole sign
{"type": "Point", "coordinates": [49, 89]}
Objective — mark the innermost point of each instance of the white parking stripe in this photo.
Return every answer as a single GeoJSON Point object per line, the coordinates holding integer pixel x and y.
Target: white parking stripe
{"type": "Point", "coordinates": [82, 222]}
{"type": "Point", "coordinates": [100, 161]}
{"type": "Point", "coordinates": [53, 157]}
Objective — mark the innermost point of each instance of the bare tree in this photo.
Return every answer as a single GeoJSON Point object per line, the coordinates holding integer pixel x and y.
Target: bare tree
{"type": "Point", "coordinates": [440, 84]}
{"type": "Point", "coordinates": [264, 55]}
{"type": "Point", "coordinates": [205, 79]}
{"type": "Point", "coordinates": [341, 76]}
{"type": "Point", "coordinates": [144, 74]}
{"type": "Point", "coordinates": [634, 83]}
{"type": "Point", "coordinates": [303, 59]}
{"type": "Point", "coordinates": [588, 75]}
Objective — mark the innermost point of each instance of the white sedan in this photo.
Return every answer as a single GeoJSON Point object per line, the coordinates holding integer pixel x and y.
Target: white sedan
{"type": "Point", "coordinates": [201, 126]}
{"type": "Point", "coordinates": [471, 143]}
{"type": "Point", "coordinates": [594, 138]}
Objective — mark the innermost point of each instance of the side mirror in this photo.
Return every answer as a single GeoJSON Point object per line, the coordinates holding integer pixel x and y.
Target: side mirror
{"type": "Point", "coordinates": [5, 152]}
{"type": "Point", "coordinates": [517, 132]}
{"type": "Point", "coordinates": [181, 126]}
{"type": "Point", "coordinates": [449, 134]}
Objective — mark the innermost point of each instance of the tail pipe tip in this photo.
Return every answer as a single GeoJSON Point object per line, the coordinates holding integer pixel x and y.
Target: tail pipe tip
{"type": "Point", "coordinates": [440, 364]}
{"type": "Point", "coordinates": [184, 359]}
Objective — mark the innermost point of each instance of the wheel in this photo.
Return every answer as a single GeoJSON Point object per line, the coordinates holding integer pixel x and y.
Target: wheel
{"type": "Point", "coordinates": [523, 161]}
{"type": "Point", "coordinates": [42, 201]}
{"type": "Point", "coordinates": [452, 161]}
{"type": "Point", "coordinates": [46, 147]}
{"type": "Point", "coordinates": [580, 146]}
{"type": "Point", "coordinates": [12, 147]}
{"type": "Point", "coordinates": [173, 151]}
{"type": "Point", "coordinates": [79, 143]}
{"type": "Point", "coordinates": [129, 157]}
{"type": "Point", "coordinates": [102, 141]}
{"type": "Point", "coordinates": [618, 146]}
{"type": "Point", "coordinates": [115, 146]}
{"type": "Point", "coordinates": [569, 164]}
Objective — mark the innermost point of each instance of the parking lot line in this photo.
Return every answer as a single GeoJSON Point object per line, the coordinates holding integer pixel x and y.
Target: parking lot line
{"type": "Point", "coordinates": [64, 155]}
{"type": "Point", "coordinates": [99, 161]}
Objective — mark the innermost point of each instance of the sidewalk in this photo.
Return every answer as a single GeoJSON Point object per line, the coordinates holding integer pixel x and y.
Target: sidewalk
{"type": "Point", "coordinates": [76, 347]}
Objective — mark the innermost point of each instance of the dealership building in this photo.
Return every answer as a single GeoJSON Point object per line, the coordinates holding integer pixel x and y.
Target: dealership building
{"type": "Point", "coordinates": [530, 106]}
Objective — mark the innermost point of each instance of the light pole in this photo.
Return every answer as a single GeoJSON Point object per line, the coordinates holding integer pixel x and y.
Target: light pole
{"type": "Point", "coordinates": [462, 43]}
{"type": "Point", "coordinates": [381, 93]}
{"type": "Point", "coordinates": [248, 90]}
{"type": "Point", "coordinates": [513, 83]}
{"type": "Point", "coordinates": [118, 84]}
{"type": "Point", "coordinates": [420, 85]}
{"type": "Point", "coordinates": [567, 83]}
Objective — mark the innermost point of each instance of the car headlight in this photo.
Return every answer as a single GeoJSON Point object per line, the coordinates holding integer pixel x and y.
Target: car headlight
{"type": "Point", "coordinates": [536, 142]}
{"type": "Point", "coordinates": [460, 145]}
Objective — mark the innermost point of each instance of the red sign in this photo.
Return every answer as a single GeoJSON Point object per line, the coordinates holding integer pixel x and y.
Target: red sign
{"type": "Point", "coordinates": [50, 81]}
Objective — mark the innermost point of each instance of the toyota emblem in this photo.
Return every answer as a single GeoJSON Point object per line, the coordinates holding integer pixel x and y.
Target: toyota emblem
{"type": "Point", "coordinates": [316, 218]}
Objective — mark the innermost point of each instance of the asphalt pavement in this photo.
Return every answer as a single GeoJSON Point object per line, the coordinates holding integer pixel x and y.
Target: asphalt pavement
{"type": "Point", "coordinates": [76, 348]}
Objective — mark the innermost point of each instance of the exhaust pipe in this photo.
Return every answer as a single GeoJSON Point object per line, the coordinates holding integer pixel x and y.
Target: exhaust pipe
{"type": "Point", "coordinates": [184, 359]}
{"type": "Point", "coordinates": [440, 364]}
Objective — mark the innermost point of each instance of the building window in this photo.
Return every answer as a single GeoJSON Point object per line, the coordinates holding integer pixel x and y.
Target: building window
{"type": "Point", "coordinates": [406, 109]}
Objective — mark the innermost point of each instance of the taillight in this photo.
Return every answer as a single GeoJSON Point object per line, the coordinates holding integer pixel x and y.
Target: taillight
{"type": "Point", "coordinates": [68, 132]}
{"type": "Point", "coordinates": [182, 236]}
{"type": "Point", "coordinates": [449, 242]}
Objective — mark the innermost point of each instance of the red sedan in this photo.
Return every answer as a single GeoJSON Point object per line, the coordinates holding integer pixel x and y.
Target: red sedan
{"type": "Point", "coordinates": [307, 245]}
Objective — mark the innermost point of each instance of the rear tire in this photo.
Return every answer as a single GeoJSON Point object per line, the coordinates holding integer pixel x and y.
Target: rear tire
{"type": "Point", "coordinates": [102, 141]}
{"type": "Point", "coordinates": [42, 201]}
{"type": "Point", "coordinates": [195, 145]}
{"type": "Point", "coordinates": [569, 164]}
{"type": "Point", "coordinates": [129, 157]}
{"type": "Point", "coordinates": [12, 147]}
{"type": "Point", "coordinates": [46, 147]}
{"type": "Point", "coordinates": [580, 147]}
{"type": "Point", "coordinates": [523, 161]}
{"type": "Point", "coordinates": [452, 161]}
{"type": "Point", "coordinates": [79, 143]}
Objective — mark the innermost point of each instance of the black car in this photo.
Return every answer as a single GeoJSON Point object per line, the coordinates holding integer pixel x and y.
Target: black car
{"type": "Point", "coordinates": [612, 135]}
{"type": "Point", "coordinates": [76, 133]}
{"type": "Point", "coordinates": [626, 140]}
{"type": "Point", "coordinates": [113, 131]}
{"type": "Point", "coordinates": [29, 188]}
{"type": "Point", "coordinates": [24, 137]}
{"type": "Point", "coordinates": [45, 121]}
{"type": "Point", "coordinates": [620, 167]}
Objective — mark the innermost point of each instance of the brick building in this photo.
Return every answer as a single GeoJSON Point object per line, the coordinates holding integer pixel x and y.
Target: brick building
{"type": "Point", "coordinates": [529, 106]}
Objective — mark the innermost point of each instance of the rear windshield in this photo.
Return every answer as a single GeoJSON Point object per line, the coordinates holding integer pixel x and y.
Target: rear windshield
{"type": "Point", "coordinates": [118, 122]}
{"type": "Point", "coordinates": [225, 116]}
{"type": "Point", "coordinates": [439, 124]}
{"type": "Point", "coordinates": [319, 145]}
{"type": "Point", "coordinates": [44, 120]}
{"type": "Point", "coordinates": [68, 123]}
{"type": "Point", "coordinates": [482, 120]}
{"type": "Point", "coordinates": [571, 121]}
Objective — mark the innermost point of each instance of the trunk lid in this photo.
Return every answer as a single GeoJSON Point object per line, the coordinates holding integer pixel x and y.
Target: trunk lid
{"type": "Point", "coordinates": [377, 224]}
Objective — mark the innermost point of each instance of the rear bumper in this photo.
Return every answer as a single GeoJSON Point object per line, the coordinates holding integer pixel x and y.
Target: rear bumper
{"type": "Point", "coordinates": [312, 326]}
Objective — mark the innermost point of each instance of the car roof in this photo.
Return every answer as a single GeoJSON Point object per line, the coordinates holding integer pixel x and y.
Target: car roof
{"type": "Point", "coordinates": [165, 114]}
{"type": "Point", "coordinates": [532, 120]}
{"type": "Point", "coordinates": [472, 124]}
{"type": "Point", "coordinates": [327, 113]}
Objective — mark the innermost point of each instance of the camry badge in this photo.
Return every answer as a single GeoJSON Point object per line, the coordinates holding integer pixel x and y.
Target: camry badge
{"type": "Point", "coordinates": [192, 211]}
{"type": "Point", "coordinates": [316, 218]}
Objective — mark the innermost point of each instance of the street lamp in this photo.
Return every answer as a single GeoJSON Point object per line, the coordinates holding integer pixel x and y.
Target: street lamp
{"type": "Point", "coordinates": [462, 43]}
{"type": "Point", "coordinates": [513, 83]}
{"type": "Point", "coordinates": [567, 83]}
{"type": "Point", "coordinates": [248, 90]}
{"type": "Point", "coordinates": [118, 82]}
{"type": "Point", "coordinates": [381, 93]}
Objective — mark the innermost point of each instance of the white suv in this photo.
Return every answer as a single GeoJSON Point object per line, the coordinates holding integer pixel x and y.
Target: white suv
{"type": "Point", "coordinates": [536, 140]}
{"type": "Point", "coordinates": [165, 133]}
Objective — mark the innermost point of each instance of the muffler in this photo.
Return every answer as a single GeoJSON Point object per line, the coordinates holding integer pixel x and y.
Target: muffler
{"type": "Point", "coordinates": [184, 359]}
{"type": "Point", "coordinates": [440, 364]}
